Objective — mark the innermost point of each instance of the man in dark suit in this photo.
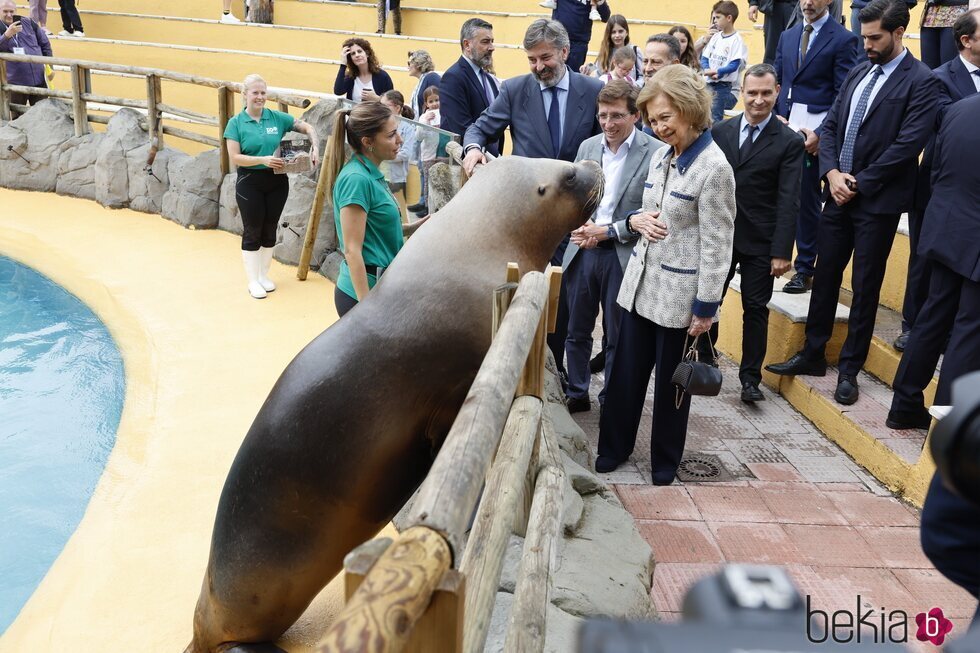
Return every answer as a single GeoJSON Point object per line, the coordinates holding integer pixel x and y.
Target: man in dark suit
{"type": "Point", "coordinates": [550, 112]}
{"type": "Point", "coordinates": [767, 157]}
{"type": "Point", "coordinates": [778, 14]}
{"type": "Point", "coordinates": [812, 61]}
{"type": "Point", "coordinates": [467, 88]}
{"type": "Point", "coordinates": [599, 250]}
{"type": "Point", "coordinates": [949, 244]}
{"type": "Point", "coordinates": [869, 149]}
{"type": "Point", "coordinates": [959, 81]}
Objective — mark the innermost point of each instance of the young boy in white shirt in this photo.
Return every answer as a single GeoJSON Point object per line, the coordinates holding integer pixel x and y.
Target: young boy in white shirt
{"type": "Point", "coordinates": [723, 57]}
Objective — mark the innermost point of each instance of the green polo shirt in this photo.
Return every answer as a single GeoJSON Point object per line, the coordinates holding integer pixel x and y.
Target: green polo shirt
{"type": "Point", "coordinates": [361, 183]}
{"type": "Point", "coordinates": [259, 137]}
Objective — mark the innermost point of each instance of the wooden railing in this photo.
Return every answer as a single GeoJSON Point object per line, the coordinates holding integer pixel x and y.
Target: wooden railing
{"type": "Point", "coordinates": [426, 591]}
{"type": "Point", "coordinates": [81, 95]}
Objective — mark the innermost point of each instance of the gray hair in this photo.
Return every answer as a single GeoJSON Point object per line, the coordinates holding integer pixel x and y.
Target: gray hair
{"type": "Point", "coordinates": [673, 45]}
{"type": "Point", "coordinates": [761, 70]}
{"type": "Point", "coordinates": [468, 30]}
{"type": "Point", "coordinates": [422, 60]}
{"type": "Point", "coordinates": [548, 31]}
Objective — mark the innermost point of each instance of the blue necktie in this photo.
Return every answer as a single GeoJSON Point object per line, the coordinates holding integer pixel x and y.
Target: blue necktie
{"type": "Point", "coordinates": [487, 90]}
{"type": "Point", "coordinates": [554, 121]}
{"type": "Point", "coordinates": [850, 137]}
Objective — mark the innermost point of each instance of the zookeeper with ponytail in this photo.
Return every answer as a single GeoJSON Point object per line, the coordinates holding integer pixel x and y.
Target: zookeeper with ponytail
{"type": "Point", "coordinates": [366, 214]}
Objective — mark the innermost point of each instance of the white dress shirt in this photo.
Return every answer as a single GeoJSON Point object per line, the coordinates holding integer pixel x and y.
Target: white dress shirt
{"type": "Point", "coordinates": [743, 130]}
{"type": "Point", "coordinates": [887, 71]}
{"type": "Point", "coordinates": [612, 167]}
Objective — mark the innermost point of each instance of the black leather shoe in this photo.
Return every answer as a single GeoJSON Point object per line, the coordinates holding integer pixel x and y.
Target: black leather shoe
{"type": "Point", "coordinates": [663, 478]}
{"type": "Point", "coordinates": [598, 363]}
{"type": "Point", "coordinates": [908, 419]}
{"type": "Point", "coordinates": [797, 364]}
{"type": "Point", "coordinates": [901, 341]}
{"type": "Point", "coordinates": [800, 283]}
{"type": "Point", "coordinates": [418, 208]}
{"type": "Point", "coordinates": [847, 390]}
{"type": "Point", "coordinates": [751, 393]}
{"type": "Point", "coordinates": [578, 405]}
{"type": "Point", "coordinates": [606, 464]}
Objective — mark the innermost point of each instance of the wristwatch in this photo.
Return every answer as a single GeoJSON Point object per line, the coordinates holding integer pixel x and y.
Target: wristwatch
{"type": "Point", "coordinates": [611, 232]}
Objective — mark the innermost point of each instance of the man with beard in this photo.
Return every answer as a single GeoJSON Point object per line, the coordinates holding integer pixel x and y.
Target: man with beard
{"type": "Point", "coordinates": [467, 87]}
{"type": "Point", "coordinates": [21, 35]}
{"type": "Point", "coordinates": [869, 150]}
{"type": "Point", "coordinates": [550, 112]}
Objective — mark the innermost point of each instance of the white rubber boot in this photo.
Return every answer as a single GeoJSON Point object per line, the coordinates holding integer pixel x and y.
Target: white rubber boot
{"type": "Point", "coordinates": [264, 279]}
{"type": "Point", "coordinates": [253, 263]}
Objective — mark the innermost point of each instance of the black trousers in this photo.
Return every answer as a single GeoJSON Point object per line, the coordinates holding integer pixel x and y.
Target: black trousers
{"type": "Point", "coordinates": [24, 98]}
{"type": "Point", "coordinates": [642, 347]}
{"type": "Point", "coordinates": [70, 19]}
{"type": "Point", "coordinates": [963, 350]}
{"type": "Point", "coordinates": [917, 282]}
{"type": "Point", "coordinates": [774, 25]}
{"type": "Point", "coordinates": [261, 196]}
{"type": "Point", "coordinates": [556, 340]}
{"type": "Point", "coordinates": [950, 533]}
{"type": "Point", "coordinates": [756, 289]}
{"type": "Point", "coordinates": [927, 340]}
{"type": "Point", "coordinates": [808, 226]}
{"type": "Point", "coordinates": [592, 280]}
{"type": "Point", "coordinates": [342, 302]}
{"type": "Point", "coordinates": [869, 236]}
{"type": "Point", "coordinates": [577, 53]}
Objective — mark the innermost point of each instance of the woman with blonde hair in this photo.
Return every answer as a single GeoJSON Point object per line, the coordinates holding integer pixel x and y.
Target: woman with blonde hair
{"type": "Point", "coordinates": [672, 287]}
{"type": "Point", "coordinates": [360, 76]}
{"type": "Point", "coordinates": [252, 139]}
{"type": "Point", "coordinates": [366, 214]}
{"type": "Point", "coordinates": [617, 35]}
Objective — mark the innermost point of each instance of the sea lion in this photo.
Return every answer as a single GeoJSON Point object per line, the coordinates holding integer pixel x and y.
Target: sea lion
{"type": "Point", "coordinates": [352, 426]}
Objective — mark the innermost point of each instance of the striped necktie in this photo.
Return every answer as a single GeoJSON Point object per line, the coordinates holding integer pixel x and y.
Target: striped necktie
{"type": "Point", "coordinates": [850, 137]}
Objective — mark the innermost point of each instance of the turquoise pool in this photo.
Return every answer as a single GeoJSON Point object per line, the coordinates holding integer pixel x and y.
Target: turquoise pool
{"type": "Point", "coordinates": [62, 387]}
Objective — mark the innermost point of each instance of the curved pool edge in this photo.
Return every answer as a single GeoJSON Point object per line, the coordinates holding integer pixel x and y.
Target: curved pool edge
{"type": "Point", "coordinates": [129, 575]}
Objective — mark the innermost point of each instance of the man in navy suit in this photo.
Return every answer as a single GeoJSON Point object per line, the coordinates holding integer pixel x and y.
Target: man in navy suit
{"type": "Point", "coordinates": [550, 112]}
{"type": "Point", "coordinates": [950, 246]}
{"type": "Point", "coordinates": [812, 61]}
{"type": "Point", "coordinates": [959, 81]}
{"type": "Point", "coordinates": [869, 150]}
{"type": "Point", "coordinates": [950, 524]}
{"type": "Point", "coordinates": [466, 88]}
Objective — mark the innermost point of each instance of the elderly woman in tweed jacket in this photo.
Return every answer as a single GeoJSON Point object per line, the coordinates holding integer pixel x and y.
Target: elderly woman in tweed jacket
{"type": "Point", "coordinates": [673, 284]}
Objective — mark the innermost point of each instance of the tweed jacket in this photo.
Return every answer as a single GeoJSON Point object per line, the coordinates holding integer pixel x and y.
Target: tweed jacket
{"type": "Point", "coordinates": [683, 275]}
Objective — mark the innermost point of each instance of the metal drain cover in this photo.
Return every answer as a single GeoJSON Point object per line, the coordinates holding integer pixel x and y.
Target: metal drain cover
{"type": "Point", "coordinates": [703, 467]}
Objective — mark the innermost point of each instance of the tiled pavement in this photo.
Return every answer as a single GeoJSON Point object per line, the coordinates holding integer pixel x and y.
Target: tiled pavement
{"type": "Point", "coordinates": [797, 500]}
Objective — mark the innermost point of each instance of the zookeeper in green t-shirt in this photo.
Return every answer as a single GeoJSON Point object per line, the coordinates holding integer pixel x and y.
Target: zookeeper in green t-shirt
{"type": "Point", "coordinates": [252, 138]}
{"type": "Point", "coordinates": [367, 217]}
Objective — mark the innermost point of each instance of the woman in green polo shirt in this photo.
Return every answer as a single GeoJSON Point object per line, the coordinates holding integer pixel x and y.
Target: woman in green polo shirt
{"type": "Point", "coordinates": [366, 214]}
{"type": "Point", "coordinates": [252, 138]}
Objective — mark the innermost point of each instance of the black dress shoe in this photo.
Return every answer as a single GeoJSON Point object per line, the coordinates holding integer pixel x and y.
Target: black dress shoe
{"type": "Point", "coordinates": [418, 208]}
{"type": "Point", "coordinates": [847, 390]}
{"type": "Point", "coordinates": [578, 405]}
{"type": "Point", "coordinates": [901, 341]}
{"type": "Point", "coordinates": [800, 283]}
{"type": "Point", "coordinates": [663, 478]}
{"type": "Point", "coordinates": [908, 419]}
{"type": "Point", "coordinates": [606, 464]}
{"type": "Point", "coordinates": [598, 363]}
{"type": "Point", "coordinates": [751, 393]}
{"type": "Point", "coordinates": [797, 364]}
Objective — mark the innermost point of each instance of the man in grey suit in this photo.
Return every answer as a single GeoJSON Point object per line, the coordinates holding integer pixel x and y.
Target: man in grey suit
{"type": "Point", "coordinates": [550, 112]}
{"type": "Point", "coordinates": [599, 250]}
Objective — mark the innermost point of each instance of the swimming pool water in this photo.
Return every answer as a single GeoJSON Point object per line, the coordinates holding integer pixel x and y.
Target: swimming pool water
{"type": "Point", "coordinates": [61, 395]}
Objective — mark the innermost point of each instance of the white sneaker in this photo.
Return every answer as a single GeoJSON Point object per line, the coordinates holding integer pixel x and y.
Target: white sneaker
{"type": "Point", "coordinates": [79, 35]}
{"type": "Point", "coordinates": [548, 4]}
{"type": "Point", "coordinates": [594, 14]}
{"type": "Point", "coordinates": [64, 32]}
{"type": "Point", "coordinates": [229, 19]}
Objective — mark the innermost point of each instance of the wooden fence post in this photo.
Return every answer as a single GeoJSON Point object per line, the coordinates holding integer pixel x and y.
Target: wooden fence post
{"type": "Point", "coordinates": [4, 97]}
{"type": "Point", "coordinates": [313, 224]}
{"type": "Point", "coordinates": [260, 11]}
{"type": "Point", "coordinates": [78, 104]}
{"type": "Point", "coordinates": [154, 96]}
{"type": "Point", "coordinates": [226, 107]}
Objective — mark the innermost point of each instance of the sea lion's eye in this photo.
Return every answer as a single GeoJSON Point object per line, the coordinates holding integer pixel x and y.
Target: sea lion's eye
{"type": "Point", "coordinates": [570, 177]}
{"type": "Point", "coordinates": [542, 189]}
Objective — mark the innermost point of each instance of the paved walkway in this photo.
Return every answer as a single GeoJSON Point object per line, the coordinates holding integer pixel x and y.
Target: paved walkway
{"type": "Point", "coordinates": [797, 501]}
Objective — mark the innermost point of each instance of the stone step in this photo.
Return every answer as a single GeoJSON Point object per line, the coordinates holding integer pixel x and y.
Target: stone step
{"type": "Point", "coordinates": [899, 459]}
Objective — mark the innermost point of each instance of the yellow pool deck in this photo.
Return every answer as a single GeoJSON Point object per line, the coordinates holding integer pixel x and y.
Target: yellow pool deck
{"type": "Point", "coordinates": [200, 357]}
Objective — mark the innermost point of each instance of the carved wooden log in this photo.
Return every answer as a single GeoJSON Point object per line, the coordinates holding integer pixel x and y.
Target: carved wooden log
{"type": "Point", "coordinates": [260, 11]}
{"type": "Point", "coordinates": [381, 614]}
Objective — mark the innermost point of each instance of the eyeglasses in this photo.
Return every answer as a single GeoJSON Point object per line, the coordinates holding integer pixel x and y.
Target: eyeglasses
{"type": "Point", "coordinates": [612, 117]}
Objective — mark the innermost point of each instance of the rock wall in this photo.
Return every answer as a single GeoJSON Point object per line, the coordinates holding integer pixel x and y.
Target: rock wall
{"type": "Point", "coordinates": [39, 151]}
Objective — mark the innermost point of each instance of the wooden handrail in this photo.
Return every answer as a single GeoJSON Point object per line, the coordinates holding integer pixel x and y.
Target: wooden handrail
{"type": "Point", "coordinates": [446, 498]}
